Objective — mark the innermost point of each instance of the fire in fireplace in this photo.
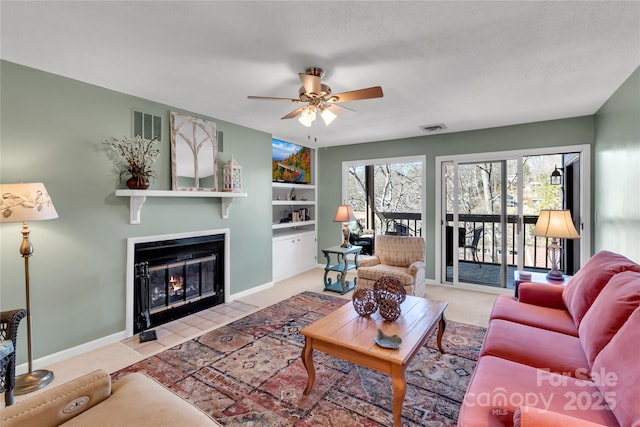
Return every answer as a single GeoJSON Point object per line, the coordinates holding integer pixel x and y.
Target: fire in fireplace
{"type": "Point", "coordinates": [177, 277]}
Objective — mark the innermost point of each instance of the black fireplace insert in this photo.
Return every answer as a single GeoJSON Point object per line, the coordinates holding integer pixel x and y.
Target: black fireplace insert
{"type": "Point", "coordinates": [177, 277]}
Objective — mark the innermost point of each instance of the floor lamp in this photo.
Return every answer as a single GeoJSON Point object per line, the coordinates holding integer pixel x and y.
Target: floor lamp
{"type": "Point", "coordinates": [23, 203]}
{"type": "Point", "coordinates": [556, 224]}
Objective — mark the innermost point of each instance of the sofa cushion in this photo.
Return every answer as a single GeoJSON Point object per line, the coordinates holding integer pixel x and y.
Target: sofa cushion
{"type": "Point", "coordinates": [584, 287]}
{"type": "Point", "coordinates": [619, 373]}
{"type": "Point", "coordinates": [535, 417]}
{"type": "Point", "coordinates": [609, 311]}
{"type": "Point", "coordinates": [499, 386]}
{"type": "Point", "coordinates": [377, 271]}
{"type": "Point", "coordinates": [551, 319]}
{"type": "Point", "coordinates": [536, 347]}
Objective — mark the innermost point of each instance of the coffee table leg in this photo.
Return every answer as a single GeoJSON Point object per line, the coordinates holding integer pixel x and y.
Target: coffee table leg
{"type": "Point", "coordinates": [307, 360]}
{"type": "Point", "coordinates": [399, 390]}
{"type": "Point", "coordinates": [441, 325]}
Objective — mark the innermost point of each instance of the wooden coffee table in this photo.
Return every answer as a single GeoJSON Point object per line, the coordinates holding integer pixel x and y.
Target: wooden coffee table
{"type": "Point", "coordinates": [347, 335]}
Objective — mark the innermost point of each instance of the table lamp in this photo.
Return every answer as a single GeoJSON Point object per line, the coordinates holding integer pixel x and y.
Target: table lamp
{"type": "Point", "coordinates": [345, 215]}
{"type": "Point", "coordinates": [23, 203]}
{"type": "Point", "coordinates": [556, 224]}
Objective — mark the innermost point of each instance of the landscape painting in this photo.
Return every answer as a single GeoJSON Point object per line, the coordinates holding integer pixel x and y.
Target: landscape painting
{"type": "Point", "coordinates": [290, 162]}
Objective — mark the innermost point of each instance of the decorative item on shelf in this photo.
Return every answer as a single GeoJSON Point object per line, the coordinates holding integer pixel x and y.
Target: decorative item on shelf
{"type": "Point", "coordinates": [194, 153]}
{"type": "Point", "coordinates": [345, 215]}
{"type": "Point", "coordinates": [24, 203]}
{"type": "Point", "coordinates": [232, 176]}
{"type": "Point", "coordinates": [133, 158]}
{"type": "Point", "coordinates": [556, 224]}
{"type": "Point", "coordinates": [364, 301]}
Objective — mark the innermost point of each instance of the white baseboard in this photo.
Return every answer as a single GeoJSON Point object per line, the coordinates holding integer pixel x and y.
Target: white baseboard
{"type": "Point", "coordinates": [71, 352]}
{"type": "Point", "coordinates": [250, 291]}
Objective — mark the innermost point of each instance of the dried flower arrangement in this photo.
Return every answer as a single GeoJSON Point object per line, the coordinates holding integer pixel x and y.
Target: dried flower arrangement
{"type": "Point", "coordinates": [134, 158]}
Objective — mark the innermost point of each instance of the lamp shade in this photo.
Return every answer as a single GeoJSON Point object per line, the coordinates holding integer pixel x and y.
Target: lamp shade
{"type": "Point", "coordinates": [555, 223]}
{"type": "Point", "coordinates": [328, 116]}
{"type": "Point", "coordinates": [25, 202]}
{"type": "Point", "coordinates": [344, 214]}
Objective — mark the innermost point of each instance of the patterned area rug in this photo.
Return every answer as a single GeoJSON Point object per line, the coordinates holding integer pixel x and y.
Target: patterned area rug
{"type": "Point", "coordinates": [249, 372]}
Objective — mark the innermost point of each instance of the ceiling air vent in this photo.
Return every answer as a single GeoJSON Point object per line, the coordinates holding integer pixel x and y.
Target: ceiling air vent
{"type": "Point", "coordinates": [433, 128]}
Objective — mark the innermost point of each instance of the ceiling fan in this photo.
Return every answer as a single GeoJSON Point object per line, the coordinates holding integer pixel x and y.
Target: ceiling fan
{"type": "Point", "coordinates": [318, 98]}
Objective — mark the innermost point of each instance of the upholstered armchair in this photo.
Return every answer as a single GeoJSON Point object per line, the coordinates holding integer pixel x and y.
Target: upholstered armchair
{"type": "Point", "coordinates": [9, 321]}
{"type": "Point", "coordinates": [398, 256]}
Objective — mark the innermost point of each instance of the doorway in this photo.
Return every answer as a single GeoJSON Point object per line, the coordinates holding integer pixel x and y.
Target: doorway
{"type": "Point", "coordinates": [490, 203]}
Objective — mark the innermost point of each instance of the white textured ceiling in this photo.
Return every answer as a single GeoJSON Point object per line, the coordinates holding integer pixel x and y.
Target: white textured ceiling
{"type": "Point", "coordinates": [470, 65]}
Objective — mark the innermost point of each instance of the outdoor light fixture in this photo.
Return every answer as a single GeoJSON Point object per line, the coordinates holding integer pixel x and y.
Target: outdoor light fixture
{"type": "Point", "coordinates": [345, 215]}
{"type": "Point", "coordinates": [556, 224]}
{"type": "Point", "coordinates": [556, 177]}
{"type": "Point", "coordinates": [23, 203]}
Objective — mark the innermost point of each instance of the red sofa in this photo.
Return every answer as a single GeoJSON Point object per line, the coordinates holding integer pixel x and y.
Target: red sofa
{"type": "Point", "coordinates": [562, 355]}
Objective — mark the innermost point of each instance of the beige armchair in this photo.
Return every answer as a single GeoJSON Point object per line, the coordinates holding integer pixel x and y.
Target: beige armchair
{"type": "Point", "coordinates": [398, 256]}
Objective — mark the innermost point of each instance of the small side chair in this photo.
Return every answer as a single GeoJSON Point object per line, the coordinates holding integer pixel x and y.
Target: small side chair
{"type": "Point", "coordinates": [473, 246]}
{"type": "Point", "coordinates": [9, 321]}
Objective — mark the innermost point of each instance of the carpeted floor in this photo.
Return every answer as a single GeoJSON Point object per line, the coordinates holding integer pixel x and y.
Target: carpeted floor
{"type": "Point", "coordinates": [249, 372]}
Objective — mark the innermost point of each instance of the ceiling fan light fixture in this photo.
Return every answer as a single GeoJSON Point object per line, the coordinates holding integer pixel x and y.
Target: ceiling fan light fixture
{"type": "Point", "coordinates": [307, 116]}
{"type": "Point", "coordinates": [328, 116]}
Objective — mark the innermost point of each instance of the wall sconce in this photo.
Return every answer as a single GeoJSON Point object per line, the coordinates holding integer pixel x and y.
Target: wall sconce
{"type": "Point", "coordinates": [556, 177]}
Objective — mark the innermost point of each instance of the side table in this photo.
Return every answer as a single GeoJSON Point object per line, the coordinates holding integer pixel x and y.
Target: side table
{"type": "Point", "coordinates": [536, 278]}
{"type": "Point", "coordinates": [341, 267]}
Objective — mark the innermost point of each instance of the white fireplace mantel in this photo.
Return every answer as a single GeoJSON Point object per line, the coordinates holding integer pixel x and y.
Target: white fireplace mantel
{"type": "Point", "coordinates": [138, 197]}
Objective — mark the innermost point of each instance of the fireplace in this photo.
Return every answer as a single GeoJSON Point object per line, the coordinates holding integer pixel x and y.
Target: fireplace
{"type": "Point", "coordinates": [174, 276]}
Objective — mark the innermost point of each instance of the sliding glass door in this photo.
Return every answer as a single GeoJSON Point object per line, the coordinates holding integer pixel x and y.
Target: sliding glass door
{"type": "Point", "coordinates": [489, 210]}
{"type": "Point", "coordinates": [479, 200]}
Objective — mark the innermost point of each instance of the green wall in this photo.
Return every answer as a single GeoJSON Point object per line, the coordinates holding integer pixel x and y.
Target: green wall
{"type": "Point", "coordinates": [574, 131]}
{"type": "Point", "coordinates": [617, 171]}
{"type": "Point", "coordinates": [52, 128]}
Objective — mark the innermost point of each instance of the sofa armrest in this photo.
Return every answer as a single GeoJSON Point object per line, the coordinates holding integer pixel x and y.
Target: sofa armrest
{"type": "Point", "coordinates": [59, 404]}
{"type": "Point", "coordinates": [535, 417]}
{"type": "Point", "coordinates": [368, 261]}
{"type": "Point", "coordinates": [541, 294]}
{"type": "Point", "coordinates": [139, 400]}
{"type": "Point", "coordinates": [415, 267]}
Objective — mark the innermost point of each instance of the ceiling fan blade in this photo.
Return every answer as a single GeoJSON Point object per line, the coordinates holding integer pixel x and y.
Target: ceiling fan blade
{"type": "Point", "coordinates": [294, 113]}
{"type": "Point", "coordinates": [339, 110]}
{"type": "Point", "coordinates": [354, 95]}
{"type": "Point", "coordinates": [311, 84]}
{"type": "Point", "coordinates": [269, 98]}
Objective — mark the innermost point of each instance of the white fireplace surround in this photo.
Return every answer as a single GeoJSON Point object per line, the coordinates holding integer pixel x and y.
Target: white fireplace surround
{"type": "Point", "coordinates": [131, 244]}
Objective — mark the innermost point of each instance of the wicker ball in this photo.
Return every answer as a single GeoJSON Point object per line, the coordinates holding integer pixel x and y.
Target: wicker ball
{"type": "Point", "coordinates": [389, 287]}
{"type": "Point", "coordinates": [389, 308]}
{"type": "Point", "coordinates": [364, 301]}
